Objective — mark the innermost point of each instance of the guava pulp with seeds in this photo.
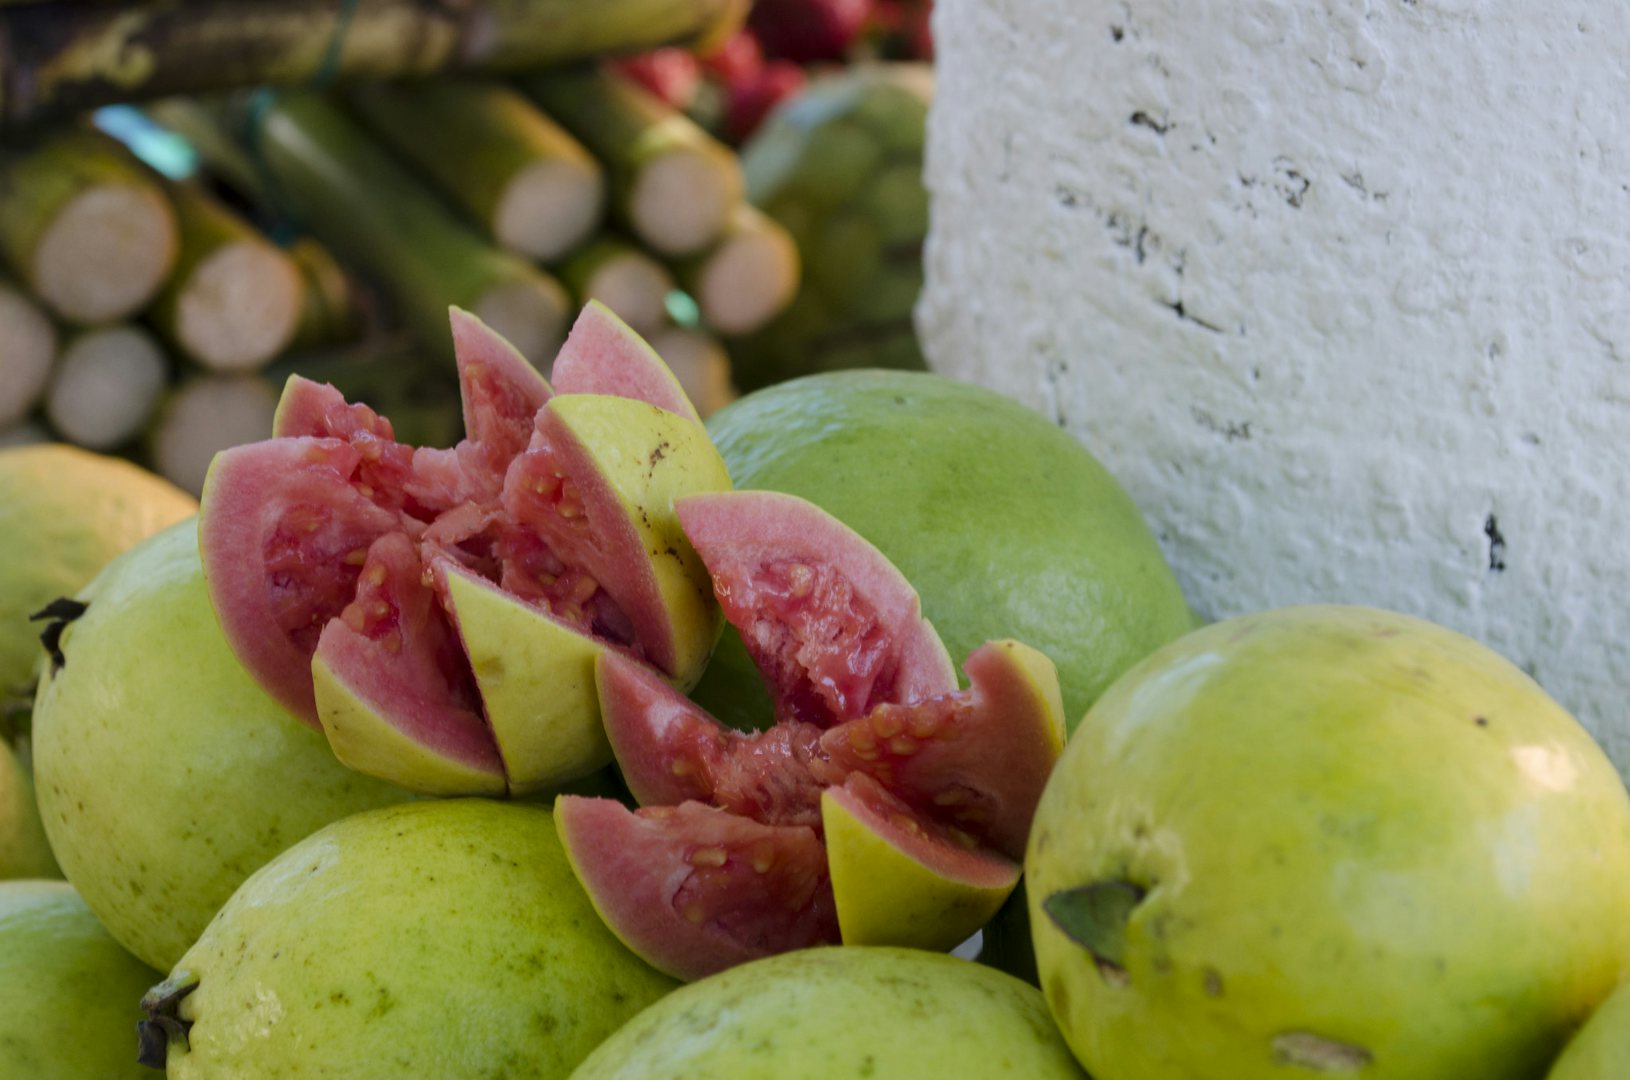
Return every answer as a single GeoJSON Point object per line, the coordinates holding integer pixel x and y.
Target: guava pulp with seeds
{"type": "Point", "coordinates": [883, 807]}
{"type": "Point", "coordinates": [1006, 526]}
{"type": "Point", "coordinates": [438, 611]}
{"type": "Point", "coordinates": [443, 938]}
{"type": "Point", "coordinates": [1328, 841]}
{"type": "Point", "coordinates": [838, 1014]}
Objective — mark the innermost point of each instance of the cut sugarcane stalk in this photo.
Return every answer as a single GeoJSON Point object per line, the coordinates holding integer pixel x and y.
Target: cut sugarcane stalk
{"type": "Point", "coordinates": [701, 365]}
{"type": "Point", "coordinates": [330, 311]}
{"type": "Point", "coordinates": [672, 184]}
{"type": "Point", "coordinates": [106, 385]}
{"type": "Point", "coordinates": [28, 345]}
{"type": "Point", "coordinates": [748, 277]}
{"type": "Point", "coordinates": [234, 300]}
{"type": "Point", "coordinates": [205, 415]}
{"type": "Point", "coordinates": [349, 190]}
{"type": "Point", "coordinates": [513, 171]}
{"type": "Point", "coordinates": [622, 277]}
{"type": "Point", "coordinates": [64, 58]}
{"type": "Point", "coordinates": [85, 226]}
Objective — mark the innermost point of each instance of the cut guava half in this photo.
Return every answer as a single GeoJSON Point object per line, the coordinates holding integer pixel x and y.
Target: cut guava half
{"type": "Point", "coordinates": [438, 611]}
{"type": "Point", "coordinates": [918, 796]}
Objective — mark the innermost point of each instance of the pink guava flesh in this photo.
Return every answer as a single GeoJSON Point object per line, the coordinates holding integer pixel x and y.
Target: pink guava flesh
{"type": "Point", "coordinates": [602, 356]}
{"type": "Point", "coordinates": [294, 529]}
{"type": "Point", "coordinates": [868, 715]}
{"type": "Point", "coordinates": [700, 888]}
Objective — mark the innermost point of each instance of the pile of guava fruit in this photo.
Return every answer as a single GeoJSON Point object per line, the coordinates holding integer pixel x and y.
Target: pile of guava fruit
{"type": "Point", "coordinates": [863, 731]}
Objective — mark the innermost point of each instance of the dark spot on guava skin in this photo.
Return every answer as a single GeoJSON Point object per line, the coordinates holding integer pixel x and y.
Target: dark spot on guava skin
{"type": "Point", "coordinates": [58, 614]}
{"type": "Point", "coordinates": [1481, 721]}
{"type": "Point", "coordinates": [1213, 983]}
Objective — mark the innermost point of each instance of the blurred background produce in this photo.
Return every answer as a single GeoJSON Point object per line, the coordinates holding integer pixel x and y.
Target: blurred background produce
{"type": "Point", "coordinates": [741, 182]}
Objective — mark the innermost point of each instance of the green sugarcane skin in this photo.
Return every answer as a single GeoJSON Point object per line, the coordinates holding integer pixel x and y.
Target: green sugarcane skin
{"type": "Point", "coordinates": [221, 155]}
{"type": "Point", "coordinates": [471, 138]}
{"type": "Point", "coordinates": [57, 59]}
{"type": "Point", "coordinates": [339, 182]}
{"type": "Point", "coordinates": [38, 180]}
{"type": "Point", "coordinates": [626, 127]}
{"type": "Point", "coordinates": [206, 226]}
{"type": "Point", "coordinates": [331, 313]}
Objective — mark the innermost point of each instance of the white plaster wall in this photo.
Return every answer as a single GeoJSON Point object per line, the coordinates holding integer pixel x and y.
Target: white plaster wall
{"type": "Point", "coordinates": [1340, 291]}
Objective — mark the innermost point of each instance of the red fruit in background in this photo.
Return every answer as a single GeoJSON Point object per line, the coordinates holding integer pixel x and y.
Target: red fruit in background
{"type": "Point", "coordinates": [674, 75]}
{"type": "Point", "coordinates": [738, 58]}
{"type": "Point", "coordinates": [751, 100]}
{"type": "Point", "coordinates": [808, 31]}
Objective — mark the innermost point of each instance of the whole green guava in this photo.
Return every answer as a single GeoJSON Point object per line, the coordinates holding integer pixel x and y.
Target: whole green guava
{"type": "Point", "coordinates": [24, 850]}
{"type": "Point", "coordinates": [1601, 1049]}
{"type": "Point", "coordinates": [165, 775]}
{"type": "Point", "coordinates": [1006, 526]}
{"type": "Point", "coordinates": [840, 1013]}
{"type": "Point", "coordinates": [64, 513]}
{"type": "Point", "coordinates": [1328, 841]}
{"type": "Point", "coordinates": [68, 992]}
{"type": "Point", "coordinates": [431, 939]}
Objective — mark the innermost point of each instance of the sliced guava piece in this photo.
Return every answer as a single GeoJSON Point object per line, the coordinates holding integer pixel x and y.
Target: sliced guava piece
{"type": "Point", "coordinates": [599, 485]}
{"type": "Point", "coordinates": [394, 691]}
{"type": "Point", "coordinates": [976, 759]}
{"type": "Point", "coordinates": [535, 676]}
{"type": "Point", "coordinates": [692, 889]}
{"type": "Point", "coordinates": [900, 879]}
{"type": "Point", "coordinates": [832, 625]}
{"type": "Point", "coordinates": [670, 750]}
{"type": "Point", "coordinates": [546, 536]}
{"type": "Point", "coordinates": [921, 794]}
{"type": "Point", "coordinates": [284, 539]}
{"type": "Point", "coordinates": [317, 409]}
{"type": "Point", "coordinates": [603, 355]}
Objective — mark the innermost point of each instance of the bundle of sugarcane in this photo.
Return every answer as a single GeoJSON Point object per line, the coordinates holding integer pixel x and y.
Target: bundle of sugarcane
{"type": "Point", "coordinates": [515, 173]}
{"type": "Point", "coordinates": [673, 186]}
{"type": "Point", "coordinates": [61, 59]}
{"type": "Point", "coordinates": [360, 200]}
{"type": "Point", "coordinates": [84, 226]}
{"type": "Point", "coordinates": [840, 167]}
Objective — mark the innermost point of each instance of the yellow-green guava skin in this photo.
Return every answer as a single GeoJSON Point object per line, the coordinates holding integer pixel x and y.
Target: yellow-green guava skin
{"type": "Point", "coordinates": [839, 1014]}
{"type": "Point", "coordinates": [24, 850]}
{"type": "Point", "coordinates": [68, 992]}
{"type": "Point", "coordinates": [1005, 525]}
{"type": "Point", "coordinates": [432, 939]}
{"type": "Point", "coordinates": [165, 775]}
{"type": "Point", "coordinates": [64, 513]}
{"type": "Point", "coordinates": [1601, 1049]}
{"type": "Point", "coordinates": [1365, 839]}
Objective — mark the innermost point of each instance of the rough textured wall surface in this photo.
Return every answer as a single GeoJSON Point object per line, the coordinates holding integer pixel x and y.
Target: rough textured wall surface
{"type": "Point", "coordinates": [1340, 291]}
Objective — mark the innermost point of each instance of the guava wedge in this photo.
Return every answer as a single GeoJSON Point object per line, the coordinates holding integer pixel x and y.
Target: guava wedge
{"type": "Point", "coordinates": [437, 612]}
{"type": "Point", "coordinates": [884, 805]}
